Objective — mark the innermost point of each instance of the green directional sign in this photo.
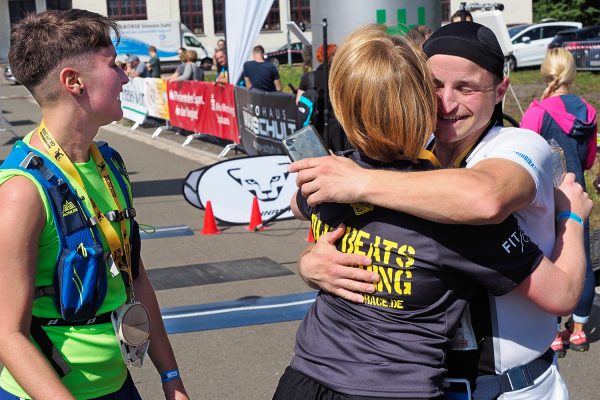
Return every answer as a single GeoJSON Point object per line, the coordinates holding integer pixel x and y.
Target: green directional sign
{"type": "Point", "coordinates": [402, 25]}
{"type": "Point", "coordinates": [398, 16]}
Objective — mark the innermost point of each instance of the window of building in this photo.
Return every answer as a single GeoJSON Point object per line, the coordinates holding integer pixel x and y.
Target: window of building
{"type": "Point", "coordinates": [190, 12]}
{"type": "Point", "coordinates": [219, 16]}
{"type": "Point", "coordinates": [126, 9]}
{"type": "Point", "coordinates": [300, 12]}
{"type": "Point", "coordinates": [272, 21]}
{"type": "Point", "coordinates": [59, 4]}
{"type": "Point", "coordinates": [446, 10]}
{"type": "Point", "coordinates": [17, 10]}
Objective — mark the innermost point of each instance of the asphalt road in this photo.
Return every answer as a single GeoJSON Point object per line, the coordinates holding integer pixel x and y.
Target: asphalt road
{"type": "Point", "coordinates": [234, 363]}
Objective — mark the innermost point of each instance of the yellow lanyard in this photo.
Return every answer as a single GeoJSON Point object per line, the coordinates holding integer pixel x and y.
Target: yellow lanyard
{"type": "Point", "coordinates": [461, 160]}
{"type": "Point", "coordinates": [120, 249]}
{"type": "Point", "coordinates": [458, 161]}
{"type": "Point", "coordinates": [429, 156]}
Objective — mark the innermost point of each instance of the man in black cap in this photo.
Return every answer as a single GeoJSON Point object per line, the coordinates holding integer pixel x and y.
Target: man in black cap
{"type": "Point", "coordinates": [508, 170]}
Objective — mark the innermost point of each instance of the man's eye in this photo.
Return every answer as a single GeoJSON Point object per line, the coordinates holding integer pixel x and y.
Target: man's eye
{"type": "Point", "coordinates": [466, 90]}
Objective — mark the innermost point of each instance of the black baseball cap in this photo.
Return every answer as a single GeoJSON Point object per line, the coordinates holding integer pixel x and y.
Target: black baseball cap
{"type": "Point", "coordinates": [473, 42]}
{"type": "Point", "coordinates": [468, 40]}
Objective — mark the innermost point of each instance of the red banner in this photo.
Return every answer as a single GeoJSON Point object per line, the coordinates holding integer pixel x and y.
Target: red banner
{"type": "Point", "coordinates": [203, 107]}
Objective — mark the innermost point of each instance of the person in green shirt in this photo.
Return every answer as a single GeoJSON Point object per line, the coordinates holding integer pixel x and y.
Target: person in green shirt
{"type": "Point", "coordinates": [153, 63]}
{"type": "Point", "coordinates": [67, 61]}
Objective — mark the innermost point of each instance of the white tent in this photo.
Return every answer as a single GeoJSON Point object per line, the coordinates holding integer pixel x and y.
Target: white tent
{"type": "Point", "coordinates": [243, 21]}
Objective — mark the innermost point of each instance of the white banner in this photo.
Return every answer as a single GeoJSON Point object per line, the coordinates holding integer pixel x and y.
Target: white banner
{"type": "Point", "coordinates": [231, 186]}
{"type": "Point", "coordinates": [133, 100]}
{"type": "Point", "coordinates": [243, 21]}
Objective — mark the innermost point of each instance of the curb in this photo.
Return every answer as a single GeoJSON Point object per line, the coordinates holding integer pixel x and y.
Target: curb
{"type": "Point", "coordinates": [201, 156]}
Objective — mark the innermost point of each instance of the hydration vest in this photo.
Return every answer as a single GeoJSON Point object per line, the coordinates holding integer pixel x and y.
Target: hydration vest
{"type": "Point", "coordinates": [79, 283]}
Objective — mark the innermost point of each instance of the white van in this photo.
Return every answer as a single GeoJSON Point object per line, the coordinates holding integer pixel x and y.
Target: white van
{"type": "Point", "coordinates": [530, 42]}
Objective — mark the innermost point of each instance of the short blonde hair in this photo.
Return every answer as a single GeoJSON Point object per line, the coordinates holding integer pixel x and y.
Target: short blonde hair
{"type": "Point", "coordinates": [558, 69]}
{"type": "Point", "coordinates": [382, 94]}
{"type": "Point", "coordinates": [191, 55]}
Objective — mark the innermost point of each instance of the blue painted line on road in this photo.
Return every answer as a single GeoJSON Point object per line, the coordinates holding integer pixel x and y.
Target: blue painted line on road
{"type": "Point", "coordinates": [242, 312]}
{"type": "Point", "coordinates": [167, 231]}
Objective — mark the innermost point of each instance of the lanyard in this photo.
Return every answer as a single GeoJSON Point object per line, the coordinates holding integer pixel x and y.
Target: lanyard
{"type": "Point", "coordinates": [120, 249]}
{"type": "Point", "coordinates": [429, 156]}
{"type": "Point", "coordinates": [461, 160]}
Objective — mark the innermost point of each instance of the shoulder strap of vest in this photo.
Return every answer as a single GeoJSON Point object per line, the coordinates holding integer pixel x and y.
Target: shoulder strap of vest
{"type": "Point", "coordinates": [74, 224]}
{"type": "Point", "coordinates": [117, 166]}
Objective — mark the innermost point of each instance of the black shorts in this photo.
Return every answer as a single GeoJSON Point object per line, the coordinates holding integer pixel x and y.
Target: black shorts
{"type": "Point", "coordinates": [294, 385]}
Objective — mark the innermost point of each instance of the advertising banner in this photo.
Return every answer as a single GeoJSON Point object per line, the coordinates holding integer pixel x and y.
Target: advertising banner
{"type": "Point", "coordinates": [186, 99]}
{"type": "Point", "coordinates": [220, 120]}
{"type": "Point", "coordinates": [133, 100]}
{"type": "Point", "coordinates": [156, 98]}
{"type": "Point", "coordinates": [203, 107]}
{"type": "Point", "coordinates": [136, 36]}
{"type": "Point", "coordinates": [231, 186]}
{"type": "Point", "coordinates": [264, 119]}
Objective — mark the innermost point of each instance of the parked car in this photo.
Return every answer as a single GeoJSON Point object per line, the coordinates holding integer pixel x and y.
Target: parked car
{"type": "Point", "coordinates": [280, 56]}
{"type": "Point", "coordinates": [8, 76]}
{"type": "Point", "coordinates": [573, 35]}
{"type": "Point", "coordinates": [530, 43]}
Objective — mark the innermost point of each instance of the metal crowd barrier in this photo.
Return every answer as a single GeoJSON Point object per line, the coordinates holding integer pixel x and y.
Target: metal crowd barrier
{"type": "Point", "coordinates": [586, 54]}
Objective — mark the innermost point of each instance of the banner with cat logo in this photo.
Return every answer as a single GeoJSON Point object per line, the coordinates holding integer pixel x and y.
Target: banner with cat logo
{"type": "Point", "coordinates": [231, 186]}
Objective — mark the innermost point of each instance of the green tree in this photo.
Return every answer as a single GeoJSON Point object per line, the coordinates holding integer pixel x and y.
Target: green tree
{"type": "Point", "coordinates": [584, 11]}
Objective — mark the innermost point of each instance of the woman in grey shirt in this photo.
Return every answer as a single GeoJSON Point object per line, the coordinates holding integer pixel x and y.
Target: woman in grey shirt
{"type": "Point", "coordinates": [191, 72]}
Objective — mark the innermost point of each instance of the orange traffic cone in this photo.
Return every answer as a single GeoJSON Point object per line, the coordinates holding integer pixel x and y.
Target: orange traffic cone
{"type": "Point", "coordinates": [210, 225]}
{"type": "Point", "coordinates": [255, 217]}
{"type": "Point", "coordinates": [310, 238]}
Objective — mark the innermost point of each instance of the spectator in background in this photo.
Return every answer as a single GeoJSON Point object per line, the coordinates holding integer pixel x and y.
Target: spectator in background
{"type": "Point", "coordinates": [419, 34]}
{"type": "Point", "coordinates": [220, 46]}
{"type": "Point", "coordinates": [306, 59]}
{"type": "Point", "coordinates": [259, 74]}
{"type": "Point", "coordinates": [180, 67]}
{"type": "Point", "coordinates": [191, 72]}
{"type": "Point", "coordinates": [153, 64]}
{"type": "Point", "coordinates": [571, 122]}
{"type": "Point", "coordinates": [136, 69]}
{"type": "Point", "coordinates": [461, 15]}
{"type": "Point", "coordinates": [222, 74]}
{"type": "Point", "coordinates": [335, 139]}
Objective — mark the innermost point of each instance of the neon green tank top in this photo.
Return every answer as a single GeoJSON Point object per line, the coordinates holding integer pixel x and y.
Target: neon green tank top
{"type": "Point", "coordinates": [92, 352]}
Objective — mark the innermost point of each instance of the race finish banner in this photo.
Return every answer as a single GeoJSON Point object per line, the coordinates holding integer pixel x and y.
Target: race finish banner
{"type": "Point", "coordinates": [203, 107]}
{"type": "Point", "coordinates": [133, 100]}
{"type": "Point", "coordinates": [231, 186]}
{"type": "Point", "coordinates": [264, 119]}
{"type": "Point", "coordinates": [156, 98]}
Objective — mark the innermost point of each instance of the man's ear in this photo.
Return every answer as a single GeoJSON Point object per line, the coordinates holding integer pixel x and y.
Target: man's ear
{"type": "Point", "coordinates": [70, 80]}
{"type": "Point", "coordinates": [501, 89]}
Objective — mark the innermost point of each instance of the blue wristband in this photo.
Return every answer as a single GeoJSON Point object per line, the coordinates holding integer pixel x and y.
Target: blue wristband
{"type": "Point", "coordinates": [570, 215]}
{"type": "Point", "coordinates": [168, 376]}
